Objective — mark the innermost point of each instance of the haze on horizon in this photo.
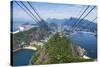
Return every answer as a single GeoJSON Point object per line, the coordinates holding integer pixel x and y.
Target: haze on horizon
{"type": "Point", "coordinates": [51, 10]}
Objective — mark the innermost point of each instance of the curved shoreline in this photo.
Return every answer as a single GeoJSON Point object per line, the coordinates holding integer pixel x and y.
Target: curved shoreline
{"type": "Point", "coordinates": [86, 57]}
{"type": "Point", "coordinates": [17, 49]}
{"type": "Point", "coordinates": [34, 49]}
{"type": "Point", "coordinates": [29, 47]}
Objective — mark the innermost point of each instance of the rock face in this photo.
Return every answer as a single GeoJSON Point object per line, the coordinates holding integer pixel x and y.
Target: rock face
{"type": "Point", "coordinates": [33, 34]}
{"type": "Point", "coordinates": [59, 50]}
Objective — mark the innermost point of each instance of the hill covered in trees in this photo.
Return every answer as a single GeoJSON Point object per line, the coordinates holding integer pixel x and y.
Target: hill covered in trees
{"type": "Point", "coordinates": [27, 36]}
{"type": "Point", "coordinates": [58, 50]}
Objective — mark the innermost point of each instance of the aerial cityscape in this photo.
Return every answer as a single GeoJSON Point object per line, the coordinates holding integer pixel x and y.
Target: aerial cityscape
{"type": "Point", "coordinates": [50, 33]}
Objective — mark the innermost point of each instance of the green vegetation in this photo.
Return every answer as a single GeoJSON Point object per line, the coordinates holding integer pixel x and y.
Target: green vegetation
{"type": "Point", "coordinates": [57, 50]}
{"type": "Point", "coordinates": [58, 45]}
{"type": "Point", "coordinates": [28, 36]}
{"type": "Point", "coordinates": [20, 37]}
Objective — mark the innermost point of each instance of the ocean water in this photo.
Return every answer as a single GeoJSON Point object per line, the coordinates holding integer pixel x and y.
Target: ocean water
{"type": "Point", "coordinates": [16, 23]}
{"type": "Point", "coordinates": [22, 57]}
{"type": "Point", "coordinates": [86, 41]}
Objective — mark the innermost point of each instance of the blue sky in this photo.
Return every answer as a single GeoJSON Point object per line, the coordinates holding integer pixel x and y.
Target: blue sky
{"type": "Point", "coordinates": [48, 10]}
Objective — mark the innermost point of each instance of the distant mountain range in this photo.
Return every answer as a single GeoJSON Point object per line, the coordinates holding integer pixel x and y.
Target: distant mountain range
{"type": "Point", "coordinates": [71, 21]}
{"type": "Point", "coordinates": [57, 21]}
{"type": "Point", "coordinates": [53, 23]}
